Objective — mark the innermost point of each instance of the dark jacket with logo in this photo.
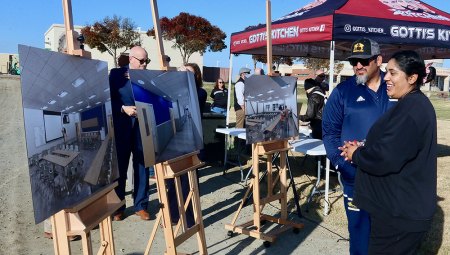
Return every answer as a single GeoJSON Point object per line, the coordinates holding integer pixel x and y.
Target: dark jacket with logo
{"type": "Point", "coordinates": [348, 115]}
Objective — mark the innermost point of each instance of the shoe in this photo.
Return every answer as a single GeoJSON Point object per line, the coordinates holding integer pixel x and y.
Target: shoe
{"type": "Point", "coordinates": [143, 214]}
{"type": "Point", "coordinates": [118, 216]}
{"type": "Point", "coordinates": [71, 238]}
{"type": "Point", "coordinates": [48, 235]}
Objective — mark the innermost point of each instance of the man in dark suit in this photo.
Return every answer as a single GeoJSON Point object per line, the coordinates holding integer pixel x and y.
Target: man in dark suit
{"type": "Point", "coordinates": [128, 138]}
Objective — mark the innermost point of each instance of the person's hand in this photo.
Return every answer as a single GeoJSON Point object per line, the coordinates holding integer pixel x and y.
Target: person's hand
{"type": "Point", "coordinates": [348, 149]}
{"type": "Point", "coordinates": [129, 110]}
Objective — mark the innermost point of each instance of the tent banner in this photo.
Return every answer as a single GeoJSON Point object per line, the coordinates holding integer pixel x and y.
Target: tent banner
{"type": "Point", "coordinates": [315, 29]}
{"type": "Point", "coordinates": [349, 27]}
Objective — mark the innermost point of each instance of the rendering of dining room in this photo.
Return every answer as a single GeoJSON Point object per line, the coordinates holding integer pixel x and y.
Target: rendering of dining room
{"type": "Point", "coordinates": [68, 128]}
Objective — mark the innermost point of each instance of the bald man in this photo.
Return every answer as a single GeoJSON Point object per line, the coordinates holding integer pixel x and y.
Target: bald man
{"type": "Point", "coordinates": [128, 137]}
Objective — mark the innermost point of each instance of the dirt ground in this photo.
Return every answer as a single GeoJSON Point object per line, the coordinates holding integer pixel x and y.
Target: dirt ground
{"type": "Point", "coordinates": [220, 195]}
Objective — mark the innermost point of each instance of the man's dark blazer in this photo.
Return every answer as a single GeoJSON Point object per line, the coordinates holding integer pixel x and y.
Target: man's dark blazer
{"type": "Point", "coordinates": [121, 94]}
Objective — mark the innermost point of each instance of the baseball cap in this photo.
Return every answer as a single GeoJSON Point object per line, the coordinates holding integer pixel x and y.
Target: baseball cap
{"type": "Point", "coordinates": [244, 70]}
{"type": "Point", "coordinates": [364, 48]}
{"type": "Point", "coordinates": [309, 83]}
{"type": "Point", "coordinates": [320, 73]}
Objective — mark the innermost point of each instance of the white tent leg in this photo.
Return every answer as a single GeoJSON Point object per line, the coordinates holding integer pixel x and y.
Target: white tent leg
{"type": "Point", "coordinates": [230, 74]}
{"type": "Point", "coordinates": [331, 75]}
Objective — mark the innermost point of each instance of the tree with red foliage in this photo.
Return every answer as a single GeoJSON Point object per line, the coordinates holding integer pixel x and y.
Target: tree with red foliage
{"type": "Point", "coordinates": [111, 35]}
{"type": "Point", "coordinates": [191, 34]}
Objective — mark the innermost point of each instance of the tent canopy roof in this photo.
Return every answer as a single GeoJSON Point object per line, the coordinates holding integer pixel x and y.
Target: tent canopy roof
{"type": "Point", "coordinates": [307, 32]}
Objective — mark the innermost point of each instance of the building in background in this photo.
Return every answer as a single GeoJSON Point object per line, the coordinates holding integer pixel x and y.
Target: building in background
{"type": "Point", "coordinates": [211, 74]}
{"type": "Point", "coordinates": [54, 39]}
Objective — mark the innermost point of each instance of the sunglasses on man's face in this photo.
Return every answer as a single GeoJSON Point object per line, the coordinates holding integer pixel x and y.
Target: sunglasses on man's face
{"type": "Point", "coordinates": [142, 61]}
{"type": "Point", "coordinates": [362, 61]}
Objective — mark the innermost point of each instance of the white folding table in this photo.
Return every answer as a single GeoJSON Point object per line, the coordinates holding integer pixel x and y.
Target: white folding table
{"type": "Point", "coordinates": [315, 147]}
{"type": "Point", "coordinates": [235, 132]}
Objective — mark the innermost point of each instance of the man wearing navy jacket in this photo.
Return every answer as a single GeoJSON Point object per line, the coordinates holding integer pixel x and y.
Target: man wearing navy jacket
{"type": "Point", "coordinates": [352, 108]}
{"type": "Point", "coordinates": [128, 138]}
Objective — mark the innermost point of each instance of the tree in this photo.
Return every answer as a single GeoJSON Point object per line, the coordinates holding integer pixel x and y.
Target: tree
{"type": "Point", "coordinates": [111, 35]}
{"type": "Point", "coordinates": [191, 34]}
{"type": "Point", "coordinates": [317, 63]}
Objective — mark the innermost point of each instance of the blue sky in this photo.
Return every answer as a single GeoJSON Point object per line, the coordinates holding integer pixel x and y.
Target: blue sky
{"type": "Point", "coordinates": [25, 22]}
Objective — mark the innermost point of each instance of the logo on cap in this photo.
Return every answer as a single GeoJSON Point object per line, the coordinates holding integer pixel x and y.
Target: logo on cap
{"type": "Point", "coordinates": [358, 47]}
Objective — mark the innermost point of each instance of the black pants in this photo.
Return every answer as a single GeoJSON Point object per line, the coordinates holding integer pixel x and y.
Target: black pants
{"type": "Point", "coordinates": [387, 239]}
{"type": "Point", "coordinates": [316, 129]}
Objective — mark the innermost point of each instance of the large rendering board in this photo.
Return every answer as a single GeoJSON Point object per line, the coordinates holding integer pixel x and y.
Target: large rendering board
{"type": "Point", "coordinates": [68, 128]}
{"type": "Point", "coordinates": [270, 108]}
{"type": "Point", "coordinates": [171, 121]}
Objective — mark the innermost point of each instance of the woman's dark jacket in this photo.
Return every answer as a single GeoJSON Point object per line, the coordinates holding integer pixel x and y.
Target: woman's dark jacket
{"type": "Point", "coordinates": [397, 167]}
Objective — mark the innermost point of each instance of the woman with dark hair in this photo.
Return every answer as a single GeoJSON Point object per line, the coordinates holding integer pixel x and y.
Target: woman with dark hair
{"type": "Point", "coordinates": [201, 93]}
{"type": "Point", "coordinates": [185, 187]}
{"type": "Point", "coordinates": [220, 96]}
{"type": "Point", "coordinates": [396, 177]}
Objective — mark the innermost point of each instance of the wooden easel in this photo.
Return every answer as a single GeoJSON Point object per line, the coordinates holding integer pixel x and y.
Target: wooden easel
{"type": "Point", "coordinates": [253, 228]}
{"type": "Point", "coordinates": [175, 168]}
{"type": "Point", "coordinates": [97, 209]}
{"type": "Point", "coordinates": [82, 218]}
{"type": "Point", "coordinates": [72, 47]}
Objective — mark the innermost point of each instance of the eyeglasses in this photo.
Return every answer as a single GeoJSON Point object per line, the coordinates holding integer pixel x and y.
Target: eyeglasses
{"type": "Point", "coordinates": [142, 61]}
{"type": "Point", "coordinates": [362, 61]}
{"type": "Point", "coordinates": [221, 82]}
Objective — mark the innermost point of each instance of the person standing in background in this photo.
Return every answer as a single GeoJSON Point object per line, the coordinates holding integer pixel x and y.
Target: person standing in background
{"type": "Point", "coordinates": [201, 92]}
{"type": "Point", "coordinates": [239, 101]}
{"type": "Point", "coordinates": [220, 96]}
{"type": "Point", "coordinates": [185, 187]}
{"type": "Point", "coordinates": [316, 102]}
{"type": "Point", "coordinates": [127, 134]}
{"type": "Point", "coordinates": [320, 78]}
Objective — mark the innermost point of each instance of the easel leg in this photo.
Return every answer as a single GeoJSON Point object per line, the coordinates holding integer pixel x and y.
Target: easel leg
{"type": "Point", "coordinates": [201, 239]}
{"type": "Point", "coordinates": [180, 199]}
{"type": "Point", "coordinates": [244, 200]}
{"type": "Point", "coordinates": [86, 243]}
{"type": "Point", "coordinates": [292, 184]}
{"type": "Point", "coordinates": [162, 193]}
{"type": "Point", "coordinates": [106, 235]}
{"type": "Point", "coordinates": [269, 175]}
{"type": "Point", "coordinates": [59, 230]}
{"type": "Point", "coordinates": [283, 185]}
{"type": "Point", "coordinates": [153, 234]}
{"type": "Point", "coordinates": [256, 196]}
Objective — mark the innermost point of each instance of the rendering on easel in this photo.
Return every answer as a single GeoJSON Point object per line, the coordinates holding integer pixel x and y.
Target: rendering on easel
{"type": "Point", "coordinates": [167, 104]}
{"type": "Point", "coordinates": [68, 128]}
{"type": "Point", "coordinates": [270, 108]}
